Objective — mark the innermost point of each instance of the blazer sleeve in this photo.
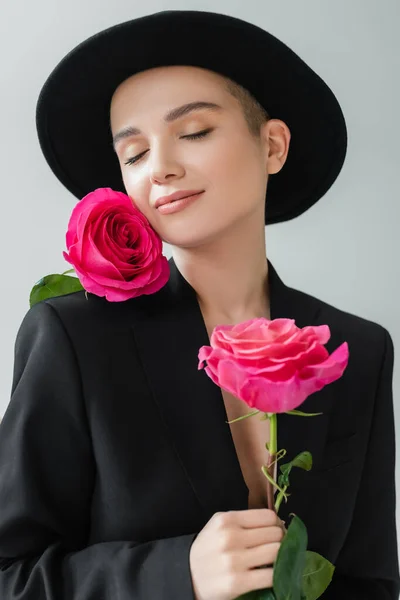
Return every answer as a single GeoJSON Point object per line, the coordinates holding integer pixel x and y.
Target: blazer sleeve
{"type": "Point", "coordinates": [47, 474]}
{"type": "Point", "coordinates": [367, 567]}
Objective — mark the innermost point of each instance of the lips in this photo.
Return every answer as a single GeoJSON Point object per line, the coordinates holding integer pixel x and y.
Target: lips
{"type": "Point", "coordinates": [176, 199]}
{"type": "Point", "coordinates": [177, 205]}
{"type": "Point", "coordinates": [179, 195]}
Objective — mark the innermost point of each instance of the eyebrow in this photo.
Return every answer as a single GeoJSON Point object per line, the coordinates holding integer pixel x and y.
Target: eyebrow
{"type": "Point", "coordinates": [172, 115]}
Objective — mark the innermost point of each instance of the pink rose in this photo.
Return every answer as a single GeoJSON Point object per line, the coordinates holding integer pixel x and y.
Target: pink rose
{"type": "Point", "coordinates": [273, 366]}
{"type": "Point", "coordinates": [113, 249]}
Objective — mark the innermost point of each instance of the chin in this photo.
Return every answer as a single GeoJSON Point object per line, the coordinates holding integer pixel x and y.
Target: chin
{"type": "Point", "coordinates": [184, 243]}
{"type": "Point", "coordinates": [194, 233]}
{"type": "Point", "coordinates": [186, 240]}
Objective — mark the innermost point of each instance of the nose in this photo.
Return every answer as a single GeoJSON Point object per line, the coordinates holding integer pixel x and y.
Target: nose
{"type": "Point", "coordinates": [159, 177]}
{"type": "Point", "coordinates": [163, 165]}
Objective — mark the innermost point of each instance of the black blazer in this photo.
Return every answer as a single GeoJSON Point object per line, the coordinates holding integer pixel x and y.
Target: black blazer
{"type": "Point", "coordinates": [115, 451]}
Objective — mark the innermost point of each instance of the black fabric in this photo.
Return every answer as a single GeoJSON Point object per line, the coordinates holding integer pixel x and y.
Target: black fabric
{"type": "Point", "coordinates": [72, 113]}
{"type": "Point", "coordinates": [115, 450]}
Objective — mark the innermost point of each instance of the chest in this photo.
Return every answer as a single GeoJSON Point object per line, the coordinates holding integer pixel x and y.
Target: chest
{"type": "Point", "coordinates": [249, 436]}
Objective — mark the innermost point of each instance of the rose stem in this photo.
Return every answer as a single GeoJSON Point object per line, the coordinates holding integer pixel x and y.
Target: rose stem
{"type": "Point", "coordinates": [273, 449]}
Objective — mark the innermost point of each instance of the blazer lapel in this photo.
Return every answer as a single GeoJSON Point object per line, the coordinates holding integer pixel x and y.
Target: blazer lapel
{"type": "Point", "coordinates": [169, 334]}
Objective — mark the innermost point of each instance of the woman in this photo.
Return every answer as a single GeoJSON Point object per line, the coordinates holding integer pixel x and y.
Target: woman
{"type": "Point", "coordinates": [119, 477]}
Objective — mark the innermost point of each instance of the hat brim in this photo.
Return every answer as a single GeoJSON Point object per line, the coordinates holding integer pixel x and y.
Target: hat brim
{"type": "Point", "coordinates": [72, 113]}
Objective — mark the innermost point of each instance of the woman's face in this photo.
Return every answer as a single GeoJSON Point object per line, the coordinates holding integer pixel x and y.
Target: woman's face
{"type": "Point", "coordinates": [227, 162]}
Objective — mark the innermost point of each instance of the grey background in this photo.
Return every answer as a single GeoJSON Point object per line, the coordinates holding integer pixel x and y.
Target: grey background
{"type": "Point", "coordinates": [344, 250]}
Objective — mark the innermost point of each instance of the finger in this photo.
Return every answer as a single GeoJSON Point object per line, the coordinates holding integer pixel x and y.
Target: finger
{"type": "Point", "coordinates": [250, 538]}
{"type": "Point", "coordinates": [259, 579]}
{"type": "Point", "coordinates": [282, 525]}
{"type": "Point", "coordinates": [261, 555]}
{"type": "Point", "coordinates": [256, 517]}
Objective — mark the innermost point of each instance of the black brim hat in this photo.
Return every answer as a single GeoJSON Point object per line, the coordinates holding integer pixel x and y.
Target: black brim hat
{"type": "Point", "coordinates": [73, 109]}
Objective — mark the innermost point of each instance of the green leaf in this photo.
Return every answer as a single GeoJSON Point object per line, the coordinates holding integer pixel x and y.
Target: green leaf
{"type": "Point", "coordinates": [298, 413]}
{"type": "Point", "coordinates": [251, 414]}
{"type": "Point", "coordinates": [272, 481]}
{"type": "Point", "coordinates": [317, 575]}
{"type": "Point", "coordinates": [302, 461]}
{"type": "Point", "coordinates": [54, 285]}
{"type": "Point", "coordinates": [290, 562]}
{"type": "Point", "coordinates": [298, 573]}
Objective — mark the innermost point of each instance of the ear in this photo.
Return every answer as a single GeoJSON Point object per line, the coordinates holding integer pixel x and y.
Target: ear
{"type": "Point", "coordinates": [276, 136]}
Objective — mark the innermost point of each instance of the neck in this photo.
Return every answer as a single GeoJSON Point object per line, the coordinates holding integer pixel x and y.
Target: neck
{"type": "Point", "coordinates": [230, 276]}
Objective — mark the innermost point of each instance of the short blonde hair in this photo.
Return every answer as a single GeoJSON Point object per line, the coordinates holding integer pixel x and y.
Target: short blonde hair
{"type": "Point", "coordinates": [254, 113]}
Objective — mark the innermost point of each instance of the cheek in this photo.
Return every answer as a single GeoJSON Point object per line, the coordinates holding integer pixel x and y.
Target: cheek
{"type": "Point", "coordinates": [137, 192]}
{"type": "Point", "coordinates": [219, 166]}
{"type": "Point", "coordinates": [145, 209]}
{"type": "Point", "coordinates": [238, 157]}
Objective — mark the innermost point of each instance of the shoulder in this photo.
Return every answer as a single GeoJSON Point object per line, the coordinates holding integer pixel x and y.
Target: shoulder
{"type": "Point", "coordinates": [79, 308]}
{"type": "Point", "coordinates": [78, 317]}
{"type": "Point", "coordinates": [367, 339]}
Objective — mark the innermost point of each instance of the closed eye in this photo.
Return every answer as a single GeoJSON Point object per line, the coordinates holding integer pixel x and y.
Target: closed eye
{"type": "Point", "coordinates": [192, 136]}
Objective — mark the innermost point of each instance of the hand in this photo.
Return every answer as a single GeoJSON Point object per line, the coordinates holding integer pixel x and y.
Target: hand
{"type": "Point", "coordinates": [224, 556]}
